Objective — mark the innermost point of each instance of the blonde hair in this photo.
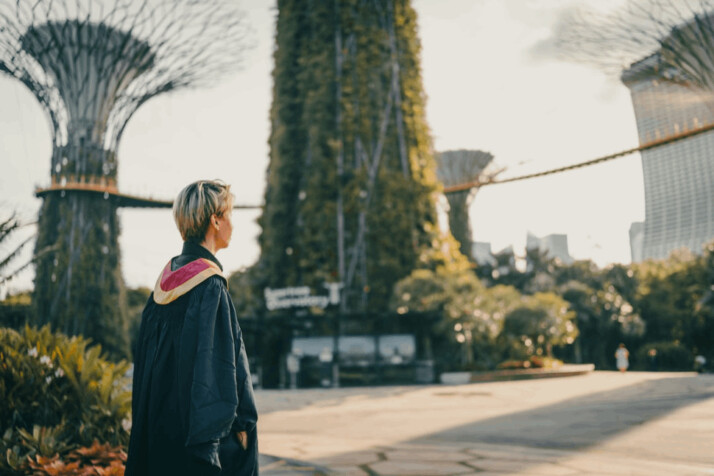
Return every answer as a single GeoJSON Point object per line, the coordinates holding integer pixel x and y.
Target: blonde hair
{"type": "Point", "coordinates": [195, 205]}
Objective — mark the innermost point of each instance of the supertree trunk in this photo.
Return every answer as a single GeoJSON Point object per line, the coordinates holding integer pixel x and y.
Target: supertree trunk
{"type": "Point", "coordinates": [91, 66]}
{"type": "Point", "coordinates": [79, 288]}
{"type": "Point", "coordinates": [459, 220]}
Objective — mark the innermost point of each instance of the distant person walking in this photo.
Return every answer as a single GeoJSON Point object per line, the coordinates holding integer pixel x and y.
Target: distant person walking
{"type": "Point", "coordinates": [622, 355]}
{"type": "Point", "coordinates": [193, 408]}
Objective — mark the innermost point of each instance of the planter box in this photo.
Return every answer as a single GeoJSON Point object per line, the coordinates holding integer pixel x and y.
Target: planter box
{"type": "Point", "coordinates": [455, 378]}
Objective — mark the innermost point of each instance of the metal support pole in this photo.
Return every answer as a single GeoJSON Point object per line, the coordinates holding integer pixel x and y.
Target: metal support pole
{"type": "Point", "coordinates": [336, 349]}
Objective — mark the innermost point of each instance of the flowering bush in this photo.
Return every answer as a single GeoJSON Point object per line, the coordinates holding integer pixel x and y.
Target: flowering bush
{"type": "Point", "coordinates": [57, 395]}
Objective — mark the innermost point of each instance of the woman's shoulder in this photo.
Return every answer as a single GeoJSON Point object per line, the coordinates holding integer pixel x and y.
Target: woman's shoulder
{"type": "Point", "coordinates": [212, 287]}
{"type": "Point", "coordinates": [216, 281]}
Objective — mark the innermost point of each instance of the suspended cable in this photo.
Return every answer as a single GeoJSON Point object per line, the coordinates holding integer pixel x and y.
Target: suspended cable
{"type": "Point", "coordinates": [599, 160]}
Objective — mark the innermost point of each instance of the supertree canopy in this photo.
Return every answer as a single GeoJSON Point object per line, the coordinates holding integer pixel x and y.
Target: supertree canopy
{"type": "Point", "coordinates": [678, 34]}
{"type": "Point", "coordinates": [91, 65]}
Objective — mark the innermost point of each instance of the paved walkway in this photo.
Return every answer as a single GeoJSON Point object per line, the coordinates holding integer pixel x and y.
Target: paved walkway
{"type": "Point", "coordinates": [277, 466]}
{"type": "Point", "coordinates": [603, 423]}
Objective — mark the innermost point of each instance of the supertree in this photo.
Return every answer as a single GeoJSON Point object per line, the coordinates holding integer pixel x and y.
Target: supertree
{"type": "Point", "coordinates": [91, 65]}
{"type": "Point", "coordinates": [351, 182]}
{"type": "Point", "coordinates": [457, 167]}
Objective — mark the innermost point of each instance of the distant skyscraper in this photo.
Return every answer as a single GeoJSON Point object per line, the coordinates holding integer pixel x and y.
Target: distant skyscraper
{"type": "Point", "coordinates": [481, 253]}
{"type": "Point", "coordinates": [678, 177]}
{"type": "Point", "coordinates": [555, 245]}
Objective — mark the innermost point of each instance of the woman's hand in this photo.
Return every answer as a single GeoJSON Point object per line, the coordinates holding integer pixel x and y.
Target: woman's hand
{"type": "Point", "coordinates": [242, 439]}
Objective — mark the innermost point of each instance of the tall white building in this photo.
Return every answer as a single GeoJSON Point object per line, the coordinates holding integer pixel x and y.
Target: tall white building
{"type": "Point", "coordinates": [678, 177]}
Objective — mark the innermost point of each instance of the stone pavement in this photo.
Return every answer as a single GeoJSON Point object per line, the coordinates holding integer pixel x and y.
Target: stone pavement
{"type": "Point", "coordinates": [276, 466]}
{"type": "Point", "coordinates": [603, 423]}
{"type": "Point", "coordinates": [485, 459]}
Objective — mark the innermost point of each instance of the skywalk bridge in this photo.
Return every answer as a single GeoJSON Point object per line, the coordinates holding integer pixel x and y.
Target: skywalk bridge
{"type": "Point", "coordinates": [107, 187]}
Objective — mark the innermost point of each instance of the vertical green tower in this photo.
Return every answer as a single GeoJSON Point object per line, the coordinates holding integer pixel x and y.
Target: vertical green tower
{"type": "Point", "coordinates": [351, 182]}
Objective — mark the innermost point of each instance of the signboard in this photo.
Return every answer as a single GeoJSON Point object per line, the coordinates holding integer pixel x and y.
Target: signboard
{"type": "Point", "coordinates": [299, 296]}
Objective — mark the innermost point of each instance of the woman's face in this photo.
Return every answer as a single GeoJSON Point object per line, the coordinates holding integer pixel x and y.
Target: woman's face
{"type": "Point", "coordinates": [225, 227]}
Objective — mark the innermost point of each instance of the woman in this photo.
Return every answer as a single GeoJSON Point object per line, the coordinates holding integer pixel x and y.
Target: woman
{"type": "Point", "coordinates": [193, 409]}
{"type": "Point", "coordinates": [622, 356]}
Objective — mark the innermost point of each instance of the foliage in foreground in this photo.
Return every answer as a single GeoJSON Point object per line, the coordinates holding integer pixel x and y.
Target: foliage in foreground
{"type": "Point", "coordinates": [58, 396]}
{"type": "Point", "coordinates": [102, 460]}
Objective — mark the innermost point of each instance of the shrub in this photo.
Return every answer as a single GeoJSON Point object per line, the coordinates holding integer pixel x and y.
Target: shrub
{"type": "Point", "coordinates": [542, 321]}
{"type": "Point", "coordinates": [15, 311]}
{"type": "Point", "coordinates": [669, 356]}
{"type": "Point", "coordinates": [514, 364]}
{"type": "Point", "coordinates": [58, 394]}
{"type": "Point", "coordinates": [541, 362]}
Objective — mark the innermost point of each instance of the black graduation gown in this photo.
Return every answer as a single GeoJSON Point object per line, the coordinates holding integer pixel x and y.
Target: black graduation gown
{"type": "Point", "coordinates": [192, 389]}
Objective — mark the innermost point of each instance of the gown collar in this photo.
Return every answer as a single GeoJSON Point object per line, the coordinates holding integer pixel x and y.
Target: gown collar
{"type": "Point", "coordinates": [191, 268]}
{"type": "Point", "coordinates": [194, 249]}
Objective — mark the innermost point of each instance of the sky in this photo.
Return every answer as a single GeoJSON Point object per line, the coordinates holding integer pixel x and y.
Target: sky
{"type": "Point", "coordinates": [488, 84]}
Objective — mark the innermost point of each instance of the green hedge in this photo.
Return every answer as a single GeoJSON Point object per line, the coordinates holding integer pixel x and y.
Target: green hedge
{"type": "Point", "coordinates": [58, 394]}
{"type": "Point", "coordinates": [671, 356]}
{"type": "Point", "coordinates": [15, 311]}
